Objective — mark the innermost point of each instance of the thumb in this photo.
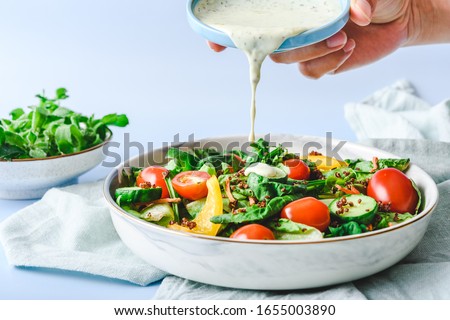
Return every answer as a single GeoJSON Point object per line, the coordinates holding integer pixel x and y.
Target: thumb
{"type": "Point", "coordinates": [361, 11]}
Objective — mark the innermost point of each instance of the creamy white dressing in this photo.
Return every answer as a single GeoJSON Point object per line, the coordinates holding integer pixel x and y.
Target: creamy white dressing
{"type": "Point", "coordinates": [259, 27]}
{"type": "Point", "coordinates": [265, 170]}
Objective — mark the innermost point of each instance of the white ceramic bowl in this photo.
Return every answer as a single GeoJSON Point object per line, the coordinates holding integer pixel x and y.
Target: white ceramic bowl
{"type": "Point", "coordinates": [31, 178]}
{"type": "Point", "coordinates": [273, 265]}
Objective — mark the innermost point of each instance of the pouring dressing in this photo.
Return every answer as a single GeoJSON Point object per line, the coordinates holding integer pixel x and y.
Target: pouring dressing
{"type": "Point", "coordinates": [259, 27]}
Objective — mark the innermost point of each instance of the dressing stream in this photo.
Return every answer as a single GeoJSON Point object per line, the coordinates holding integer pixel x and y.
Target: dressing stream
{"type": "Point", "coordinates": [259, 27]}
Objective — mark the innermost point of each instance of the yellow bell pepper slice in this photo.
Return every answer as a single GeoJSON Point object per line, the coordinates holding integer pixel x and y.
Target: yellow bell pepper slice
{"type": "Point", "coordinates": [325, 163]}
{"type": "Point", "coordinates": [213, 207]}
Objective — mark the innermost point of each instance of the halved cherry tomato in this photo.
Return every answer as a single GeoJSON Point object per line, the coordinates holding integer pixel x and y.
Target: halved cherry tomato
{"type": "Point", "coordinates": [154, 175]}
{"type": "Point", "coordinates": [191, 184]}
{"type": "Point", "coordinates": [309, 211]}
{"type": "Point", "coordinates": [391, 186]}
{"type": "Point", "coordinates": [253, 232]}
{"type": "Point", "coordinates": [298, 169]}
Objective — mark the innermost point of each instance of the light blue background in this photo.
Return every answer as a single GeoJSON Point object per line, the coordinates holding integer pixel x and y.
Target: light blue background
{"type": "Point", "coordinates": [140, 57]}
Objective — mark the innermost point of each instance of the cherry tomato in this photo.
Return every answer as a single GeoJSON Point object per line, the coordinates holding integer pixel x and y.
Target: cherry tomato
{"type": "Point", "coordinates": [391, 186]}
{"type": "Point", "coordinates": [299, 170]}
{"type": "Point", "coordinates": [154, 175]}
{"type": "Point", "coordinates": [191, 184]}
{"type": "Point", "coordinates": [309, 211]}
{"type": "Point", "coordinates": [253, 232]}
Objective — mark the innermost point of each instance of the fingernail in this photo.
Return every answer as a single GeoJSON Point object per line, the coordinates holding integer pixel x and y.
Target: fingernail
{"type": "Point", "coordinates": [365, 8]}
{"type": "Point", "coordinates": [349, 46]}
{"type": "Point", "coordinates": [339, 39]}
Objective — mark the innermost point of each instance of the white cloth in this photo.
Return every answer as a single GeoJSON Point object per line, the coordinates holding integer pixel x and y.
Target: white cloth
{"type": "Point", "coordinates": [397, 112]}
{"type": "Point", "coordinates": [71, 229]}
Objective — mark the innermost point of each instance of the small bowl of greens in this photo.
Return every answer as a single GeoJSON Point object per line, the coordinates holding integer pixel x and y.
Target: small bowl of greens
{"type": "Point", "coordinates": [297, 213]}
{"type": "Point", "coordinates": [50, 146]}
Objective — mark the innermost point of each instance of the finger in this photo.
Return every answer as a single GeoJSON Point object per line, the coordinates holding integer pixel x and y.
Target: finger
{"type": "Point", "coordinates": [216, 47]}
{"type": "Point", "coordinates": [323, 48]}
{"type": "Point", "coordinates": [328, 64]}
{"type": "Point", "coordinates": [361, 11]}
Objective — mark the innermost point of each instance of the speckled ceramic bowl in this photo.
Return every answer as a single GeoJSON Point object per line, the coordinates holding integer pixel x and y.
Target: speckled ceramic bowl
{"type": "Point", "coordinates": [274, 265]}
{"type": "Point", "coordinates": [31, 178]}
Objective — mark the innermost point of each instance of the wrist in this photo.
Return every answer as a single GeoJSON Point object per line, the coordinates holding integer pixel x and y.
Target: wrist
{"type": "Point", "coordinates": [429, 22]}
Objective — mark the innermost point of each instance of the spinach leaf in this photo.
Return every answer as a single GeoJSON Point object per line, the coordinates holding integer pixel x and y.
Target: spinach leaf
{"type": "Point", "coordinates": [285, 229]}
{"type": "Point", "coordinates": [181, 160]}
{"type": "Point", "coordinates": [419, 195]}
{"type": "Point", "coordinates": [387, 219]}
{"type": "Point", "coordinates": [256, 212]}
{"type": "Point", "coordinates": [346, 229]}
{"type": "Point", "coordinates": [366, 166]}
{"type": "Point", "coordinates": [262, 152]}
{"type": "Point", "coordinates": [263, 188]}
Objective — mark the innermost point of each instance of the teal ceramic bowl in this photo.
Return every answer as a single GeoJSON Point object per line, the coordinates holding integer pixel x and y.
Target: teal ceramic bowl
{"type": "Point", "coordinates": [301, 40]}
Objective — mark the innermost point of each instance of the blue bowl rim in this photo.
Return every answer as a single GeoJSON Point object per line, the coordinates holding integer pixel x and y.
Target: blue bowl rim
{"type": "Point", "coordinates": [301, 40]}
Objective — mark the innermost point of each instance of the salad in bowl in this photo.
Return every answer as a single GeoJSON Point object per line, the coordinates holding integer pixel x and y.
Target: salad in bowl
{"type": "Point", "coordinates": [269, 193]}
{"type": "Point", "coordinates": [270, 217]}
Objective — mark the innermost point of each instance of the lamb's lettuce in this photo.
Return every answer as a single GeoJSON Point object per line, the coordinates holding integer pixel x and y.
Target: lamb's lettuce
{"type": "Point", "coordinates": [51, 130]}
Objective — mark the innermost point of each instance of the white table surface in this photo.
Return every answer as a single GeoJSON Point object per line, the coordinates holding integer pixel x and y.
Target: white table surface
{"type": "Point", "coordinates": [140, 57]}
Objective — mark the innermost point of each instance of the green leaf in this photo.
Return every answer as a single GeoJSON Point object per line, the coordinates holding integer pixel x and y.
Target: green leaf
{"type": "Point", "coordinates": [62, 112]}
{"type": "Point", "coordinates": [387, 219]}
{"type": "Point", "coordinates": [114, 119]}
{"type": "Point", "coordinates": [61, 93]}
{"type": "Point", "coordinates": [37, 153]}
{"type": "Point", "coordinates": [348, 228]}
{"type": "Point", "coordinates": [78, 136]}
{"type": "Point", "coordinates": [264, 188]}
{"type": "Point", "coordinates": [285, 229]}
{"type": "Point", "coordinates": [31, 137]}
{"type": "Point", "coordinates": [208, 168]}
{"type": "Point", "coordinates": [42, 97]}
{"type": "Point", "coordinates": [8, 152]}
{"type": "Point", "coordinates": [255, 212]}
{"type": "Point", "coordinates": [365, 166]}
{"type": "Point", "coordinates": [63, 138]}
{"type": "Point", "coordinates": [17, 113]}
{"type": "Point", "coordinates": [419, 195]}
{"type": "Point", "coordinates": [38, 118]}
{"type": "Point", "coordinates": [2, 136]}
{"type": "Point", "coordinates": [183, 160]}
{"type": "Point", "coordinates": [400, 164]}
{"type": "Point", "coordinates": [262, 152]}
{"type": "Point", "coordinates": [52, 129]}
{"type": "Point", "coordinates": [14, 139]}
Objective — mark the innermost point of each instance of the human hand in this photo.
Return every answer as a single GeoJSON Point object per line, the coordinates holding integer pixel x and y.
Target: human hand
{"type": "Point", "coordinates": [376, 28]}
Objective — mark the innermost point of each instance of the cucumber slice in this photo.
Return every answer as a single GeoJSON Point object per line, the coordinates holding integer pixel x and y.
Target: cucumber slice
{"type": "Point", "coordinates": [161, 213]}
{"type": "Point", "coordinates": [195, 207]}
{"type": "Point", "coordinates": [357, 207]}
{"type": "Point", "coordinates": [136, 194]}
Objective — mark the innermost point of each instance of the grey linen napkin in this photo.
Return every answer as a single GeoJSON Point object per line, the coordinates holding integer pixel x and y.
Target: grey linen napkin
{"type": "Point", "coordinates": [423, 274]}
